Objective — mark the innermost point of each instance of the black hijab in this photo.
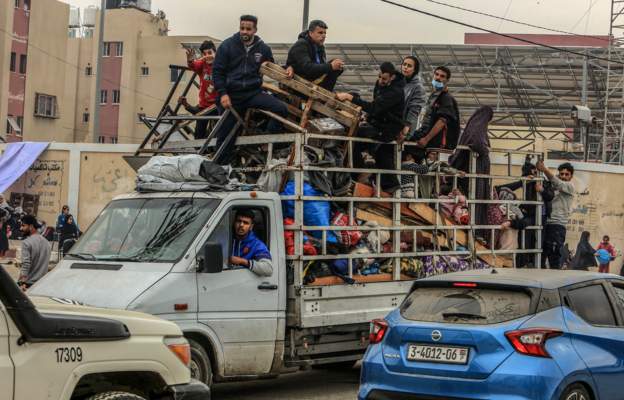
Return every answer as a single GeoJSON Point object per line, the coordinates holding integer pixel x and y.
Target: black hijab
{"type": "Point", "coordinates": [584, 256]}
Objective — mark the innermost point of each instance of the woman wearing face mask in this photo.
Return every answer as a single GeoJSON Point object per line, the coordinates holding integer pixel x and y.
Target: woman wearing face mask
{"type": "Point", "coordinates": [414, 91]}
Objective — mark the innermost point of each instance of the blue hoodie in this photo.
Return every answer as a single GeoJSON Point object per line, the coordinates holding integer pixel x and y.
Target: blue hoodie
{"type": "Point", "coordinates": [236, 69]}
{"type": "Point", "coordinates": [250, 248]}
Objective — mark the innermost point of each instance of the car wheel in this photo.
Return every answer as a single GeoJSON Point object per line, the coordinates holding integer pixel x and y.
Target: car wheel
{"type": "Point", "coordinates": [201, 369]}
{"type": "Point", "coordinates": [115, 396]}
{"type": "Point", "coordinates": [576, 392]}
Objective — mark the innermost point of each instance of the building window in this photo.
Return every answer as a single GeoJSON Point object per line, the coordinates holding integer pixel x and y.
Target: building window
{"type": "Point", "coordinates": [45, 106]}
{"type": "Point", "coordinates": [85, 118]}
{"type": "Point", "coordinates": [9, 128]}
{"type": "Point", "coordinates": [106, 49]}
{"type": "Point", "coordinates": [17, 3]}
{"type": "Point", "coordinates": [13, 61]}
{"type": "Point", "coordinates": [26, 5]}
{"type": "Point", "coordinates": [103, 96]}
{"type": "Point", "coordinates": [119, 49]}
{"type": "Point", "coordinates": [22, 66]}
{"type": "Point", "coordinates": [20, 124]}
{"type": "Point", "coordinates": [116, 96]}
{"type": "Point", "coordinates": [114, 140]}
{"type": "Point", "coordinates": [89, 70]}
{"type": "Point", "coordinates": [101, 139]}
{"type": "Point", "coordinates": [144, 70]}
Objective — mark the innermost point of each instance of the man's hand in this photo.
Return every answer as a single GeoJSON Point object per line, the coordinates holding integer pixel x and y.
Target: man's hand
{"type": "Point", "coordinates": [344, 96]}
{"type": "Point", "coordinates": [336, 64]}
{"type": "Point", "coordinates": [539, 188]}
{"type": "Point", "coordinates": [239, 261]}
{"type": "Point", "coordinates": [461, 173]}
{"type": "Point", "coordinates": [422, 142]}
{"type": "Point", "coordinates": [403, 134]}
{"type": "Point", "coordinates": [226, 102]}
{"type": "Point", "coordinates": [506, 225]}
{"type": "Point", "coordinates": [190, 54]}
{"type": "Point", "coordinates": [290, 72]}
{"type": "Point", "coordinates": [540, 166]}
{"type": "Point", "coordinates": [182, 100]}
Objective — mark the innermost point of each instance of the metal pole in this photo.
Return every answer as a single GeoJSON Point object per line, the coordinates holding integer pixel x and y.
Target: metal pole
{"type": "Point", "coordinates": [306, 14]}
{"type": "Point", "coordinates": [98, 75]}
{"type": "Point", "coordinates": [605, 122]}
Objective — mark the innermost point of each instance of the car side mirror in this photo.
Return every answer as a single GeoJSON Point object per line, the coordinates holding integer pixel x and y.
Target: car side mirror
{"type": "Point", "coordinates": [210, 259]}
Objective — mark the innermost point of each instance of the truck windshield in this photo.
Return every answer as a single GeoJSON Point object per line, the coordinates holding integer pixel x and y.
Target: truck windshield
{"type": "Point", "coordinates": [148, 230]}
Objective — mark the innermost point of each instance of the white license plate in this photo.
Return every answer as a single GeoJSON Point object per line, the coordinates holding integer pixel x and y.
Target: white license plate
{"type": "Point", "coordinates": [441, 354]}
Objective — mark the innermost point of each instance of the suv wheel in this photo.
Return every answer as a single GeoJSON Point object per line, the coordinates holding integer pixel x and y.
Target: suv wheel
{"type": "Point", "coordinates": [116, 396]}
{"type": "Point", "coordinates": [576, 392]}
{"type": "Point", "coordinates": [201, 369]}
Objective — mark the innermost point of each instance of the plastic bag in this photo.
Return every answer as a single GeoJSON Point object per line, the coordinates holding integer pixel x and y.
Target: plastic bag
{"type": "Point", "coordinates": [346, 238]}
{"type": "Point", "coordinates": [315, 213]}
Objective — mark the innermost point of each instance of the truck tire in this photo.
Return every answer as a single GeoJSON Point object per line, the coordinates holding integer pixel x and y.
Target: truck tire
{"type": "Point", "coordinates": [116, 396]}
{"type": "Point", "coordinates": [201, 369]}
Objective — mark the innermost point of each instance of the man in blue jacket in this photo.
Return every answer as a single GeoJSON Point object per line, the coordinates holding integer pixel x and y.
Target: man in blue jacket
{"type": "Point", "coordinates": [247, 250]}
{"type": "Point", "coordinates": [237, 79]}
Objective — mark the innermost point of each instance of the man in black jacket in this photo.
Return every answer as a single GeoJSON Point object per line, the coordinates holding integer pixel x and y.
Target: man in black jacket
{"type": "Point", "coordinates": [307, 58]}
{"type": "Point", "coordinates": [440, 126]}
{"type": "Point", "coordinates": [237, 79]}
{"type": "Point", "coordinates": [385, 123]}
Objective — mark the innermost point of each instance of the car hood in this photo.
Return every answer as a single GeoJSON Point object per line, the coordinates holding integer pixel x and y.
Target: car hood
{"type": "Point", "coordinates": [100, 284]}
{"type": "Point", "coordinates": [137, 323]}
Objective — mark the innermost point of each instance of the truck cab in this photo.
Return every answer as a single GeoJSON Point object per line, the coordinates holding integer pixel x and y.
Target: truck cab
{"type": "Point", "coordinates": [56, 349]}
{"type": "Point", "coordinates": [166, 254]}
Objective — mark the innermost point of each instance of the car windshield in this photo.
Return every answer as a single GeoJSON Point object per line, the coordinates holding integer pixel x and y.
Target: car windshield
{"type": "Point", "coordinates": [149, 230]}
{"type": "Point", "coordinates": [478, 306]}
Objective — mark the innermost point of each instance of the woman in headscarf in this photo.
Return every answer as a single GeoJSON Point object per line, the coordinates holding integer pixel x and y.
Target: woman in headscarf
{"type": "Point", "coordinates": [414, 91]}
{"type": "Point", "coordinates": [68, 231]}
{"type": "Point", "coordinates": [584, 257]}
{"type": "Point", "coordinates": [475, 136]}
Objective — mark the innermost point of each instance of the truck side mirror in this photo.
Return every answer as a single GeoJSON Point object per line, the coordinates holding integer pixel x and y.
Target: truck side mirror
{"type": "Point", "coordinates": [211, 258]}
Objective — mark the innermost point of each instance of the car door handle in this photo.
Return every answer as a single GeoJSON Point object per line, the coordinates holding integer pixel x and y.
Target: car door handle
{"type": "Point", "coordinates": [267, 286]}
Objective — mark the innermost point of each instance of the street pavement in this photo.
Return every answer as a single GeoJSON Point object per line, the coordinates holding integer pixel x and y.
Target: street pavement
{"type": "Point", "coordinates": [331, 384]}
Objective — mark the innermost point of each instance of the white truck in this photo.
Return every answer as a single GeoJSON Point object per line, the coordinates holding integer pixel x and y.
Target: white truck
{"type": "Point", "coordinates": [54, 349]}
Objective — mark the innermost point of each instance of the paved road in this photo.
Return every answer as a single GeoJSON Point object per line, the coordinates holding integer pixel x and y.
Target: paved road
{"type": "Point", "coordinates": [308, 385]}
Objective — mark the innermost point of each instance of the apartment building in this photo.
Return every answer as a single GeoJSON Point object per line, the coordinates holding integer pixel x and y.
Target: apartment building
{"type": "Point", "coordinates": [49, 72]}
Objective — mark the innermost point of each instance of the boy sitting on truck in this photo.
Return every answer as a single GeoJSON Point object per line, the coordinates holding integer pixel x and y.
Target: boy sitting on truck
{"type": "Point", "coordinates": [247, 249]}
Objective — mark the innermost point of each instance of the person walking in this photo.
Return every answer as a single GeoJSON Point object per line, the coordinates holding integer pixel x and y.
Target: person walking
{"type": "Point", "coordinates": [584, 257]}
{"type": "Point", "coordinates": [35, 253]}
{"type": "Point", "coordinates": [560, 209]}
{"type": "Point", "coordinates": [606, 253]}
{"type": "Point", "coordinates": [69, 231]}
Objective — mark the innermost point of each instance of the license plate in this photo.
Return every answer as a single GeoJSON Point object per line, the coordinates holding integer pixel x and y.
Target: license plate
{"type": "Point", "coordinates": [441, 354]}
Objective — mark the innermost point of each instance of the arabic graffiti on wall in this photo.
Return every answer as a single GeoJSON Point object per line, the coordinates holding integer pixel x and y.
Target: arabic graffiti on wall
{"type": "Point", "coordinates": [45, 178]}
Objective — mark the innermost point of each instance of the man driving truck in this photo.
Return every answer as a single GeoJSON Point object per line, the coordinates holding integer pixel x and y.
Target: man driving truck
{"type": "Point", "coordinates": [248, 250]}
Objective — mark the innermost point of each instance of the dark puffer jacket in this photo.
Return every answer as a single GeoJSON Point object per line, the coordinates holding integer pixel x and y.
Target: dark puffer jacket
{"type": "Point", "coordinates": [302, 57]}
{"type": "Point", "coordinates": [236, 69]}
{"type": "Point", "coordinates": [385, 112]}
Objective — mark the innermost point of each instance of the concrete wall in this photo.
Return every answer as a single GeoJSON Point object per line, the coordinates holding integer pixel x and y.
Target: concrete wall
{"type": "Point", "coordinates": [84, 176]}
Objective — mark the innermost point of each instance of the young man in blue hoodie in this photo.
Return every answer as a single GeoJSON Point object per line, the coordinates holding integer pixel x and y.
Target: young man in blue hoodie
{"type": "Point", "coordinates": [247, 250]}
{"type": "Point", "coordinates": [237, 79]}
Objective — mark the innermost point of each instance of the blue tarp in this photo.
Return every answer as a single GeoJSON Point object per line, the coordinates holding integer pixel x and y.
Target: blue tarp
{"type": "Point", "coordinates": [16, 160]}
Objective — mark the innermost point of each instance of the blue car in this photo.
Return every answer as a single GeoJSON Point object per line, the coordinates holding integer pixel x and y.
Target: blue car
{"type": "Point", "coordinates": [501, 334]}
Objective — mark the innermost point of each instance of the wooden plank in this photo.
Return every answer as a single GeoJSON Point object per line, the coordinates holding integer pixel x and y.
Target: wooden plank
{"type": "Point", "coordinates": [362, 190]}
{"type": "Point", "coordinates": [291, 125]}
{"type": "Point", "coordinates": [424, 212]}
{"type": "Point", "coordinates": [306, 88]}
{"type": "Point", "coordinates": [461, 237]}
{"type": "Point", "coordinates": [383, 220]}
{"type": "Point", "coordinates": [352, 121]}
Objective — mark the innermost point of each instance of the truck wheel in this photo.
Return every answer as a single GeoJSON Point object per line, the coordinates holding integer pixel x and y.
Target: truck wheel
{"type": "Point", "coordinates": [116, 396]}
{"type": "Point", "coordinates": [201, 369]}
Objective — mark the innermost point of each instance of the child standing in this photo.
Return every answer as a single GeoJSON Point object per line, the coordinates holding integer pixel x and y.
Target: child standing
{"type": "Point", "coordinates": [605, 259]}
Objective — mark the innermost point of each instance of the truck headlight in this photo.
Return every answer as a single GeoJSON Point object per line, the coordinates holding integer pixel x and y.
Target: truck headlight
{"type": "Point", "coordinates": [180, 347]}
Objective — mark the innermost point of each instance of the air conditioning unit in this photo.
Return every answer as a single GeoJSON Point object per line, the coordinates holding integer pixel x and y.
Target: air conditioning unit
{"type": "Point", "coordinates": [90, 16]}
{"type": "Point", "coordinates": [74, 17]}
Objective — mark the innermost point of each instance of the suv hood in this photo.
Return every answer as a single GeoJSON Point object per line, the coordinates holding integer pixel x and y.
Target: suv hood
{"type": "Point", "coordinates": [96, 284]}
{"type": "Point", "coordinates": [137, 323]}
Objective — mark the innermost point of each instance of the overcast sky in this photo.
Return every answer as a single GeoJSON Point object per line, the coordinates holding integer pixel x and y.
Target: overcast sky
{"type": "Point", "coordinates": [373, 21]}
